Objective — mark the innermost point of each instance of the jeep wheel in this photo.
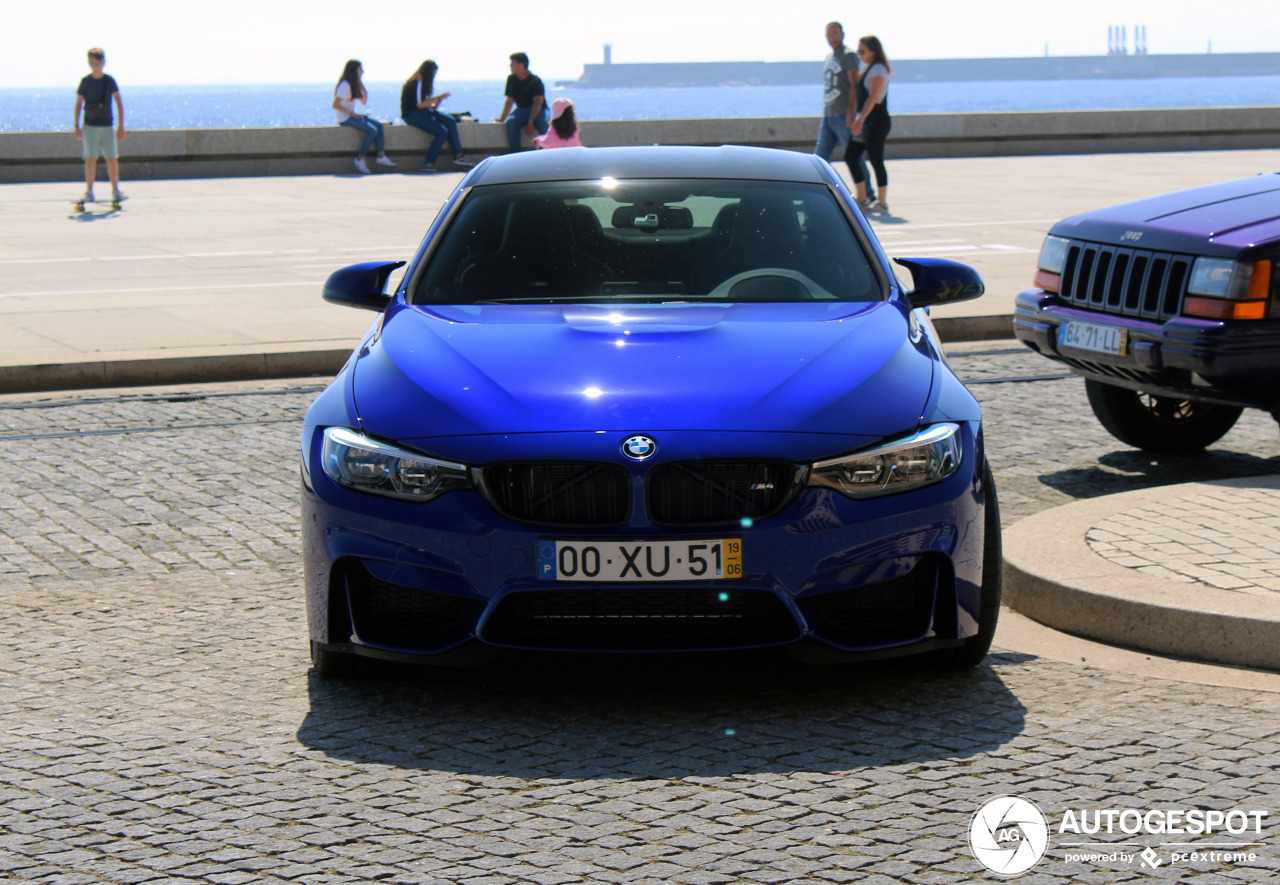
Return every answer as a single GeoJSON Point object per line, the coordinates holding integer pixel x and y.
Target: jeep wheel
{"type": "Point", "coordinates": [1159, 423]}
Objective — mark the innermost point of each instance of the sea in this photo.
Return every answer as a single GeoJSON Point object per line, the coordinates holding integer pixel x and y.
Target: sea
{"type": "Point", "coordinates": [276, 105]}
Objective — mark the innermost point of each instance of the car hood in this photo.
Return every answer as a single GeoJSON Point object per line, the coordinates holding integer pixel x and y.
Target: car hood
{"type": "Point", "coordinates": [502, 369]}
{"type": "Point", "coordinates": [1230, 217]}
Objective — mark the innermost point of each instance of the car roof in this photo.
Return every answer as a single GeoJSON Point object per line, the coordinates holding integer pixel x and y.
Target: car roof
{"type": "Point", "coordinates": [651, 161]}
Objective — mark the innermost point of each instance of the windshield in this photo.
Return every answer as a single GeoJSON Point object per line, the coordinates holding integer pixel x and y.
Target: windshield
{"type": "Point", "coordinates": [648, 241]}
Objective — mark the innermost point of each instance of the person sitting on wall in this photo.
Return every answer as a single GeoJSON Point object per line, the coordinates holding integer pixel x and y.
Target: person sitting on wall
{"type": "Point", "coordinates": [420, 109]}
{"type": "Point", "coordinates": [528, 96]}
{"type": "Point", "coordinates": [564, 127]}
{"type": "Point", "coordinates": [346, 94]}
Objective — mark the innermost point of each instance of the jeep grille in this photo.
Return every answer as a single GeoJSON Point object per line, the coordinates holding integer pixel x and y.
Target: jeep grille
{"type": "Point", "coordinates": [1129, 282]}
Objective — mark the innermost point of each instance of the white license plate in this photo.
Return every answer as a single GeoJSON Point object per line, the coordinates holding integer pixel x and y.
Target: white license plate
{"type": "Point", "coordinates": [1094, 336]}
{"type": "Point", "coordinates": [640, 561]}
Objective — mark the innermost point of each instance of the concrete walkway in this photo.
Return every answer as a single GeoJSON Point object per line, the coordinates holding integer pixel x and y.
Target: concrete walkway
{"type": "Point", "coordinates": [204, 280]}
{"type": "Point", "coordinates": [220, 278]}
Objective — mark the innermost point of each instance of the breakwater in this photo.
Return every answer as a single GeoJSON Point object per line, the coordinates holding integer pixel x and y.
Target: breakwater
{"type": "Point", "coordinates": [318, 150]}
{"type": "Point", "coordinates": [934, 70]}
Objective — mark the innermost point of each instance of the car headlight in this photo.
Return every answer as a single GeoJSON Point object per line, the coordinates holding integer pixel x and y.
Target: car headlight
{"type": "Point", "coordinates": [367, 465]}
{"type": "Point", "coordinates": [926, 457]}
{"type": "Point", "coordinates": [1221, 289]}
{"type": "Point", "coordinates": [1053, 257]}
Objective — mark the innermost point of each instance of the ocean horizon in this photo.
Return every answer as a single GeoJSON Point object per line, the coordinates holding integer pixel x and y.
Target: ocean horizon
{"type": "Point", "coordinates": [310, 104]}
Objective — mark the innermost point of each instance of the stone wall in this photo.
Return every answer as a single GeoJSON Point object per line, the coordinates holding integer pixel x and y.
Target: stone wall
{"type": "Point", "coordinates": [319, 150]}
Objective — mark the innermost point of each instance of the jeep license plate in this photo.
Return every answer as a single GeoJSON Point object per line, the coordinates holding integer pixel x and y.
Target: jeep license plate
{"type": "Point", "coordinates": [1094, 336]}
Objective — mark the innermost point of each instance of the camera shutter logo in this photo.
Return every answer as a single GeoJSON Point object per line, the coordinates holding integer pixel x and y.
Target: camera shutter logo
{"type": "Point", "coordinates": [1008, 835]}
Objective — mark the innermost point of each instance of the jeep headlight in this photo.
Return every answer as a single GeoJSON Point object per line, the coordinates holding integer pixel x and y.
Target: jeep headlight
{"type": "Point", "coordinates": [1053, 258]}
{"type": "Point", "coordinates": [366, 465]}
{"type": "Point", "coordinates": [925, 457]}
{"type": "Point", "coordinates": [1221, 289]}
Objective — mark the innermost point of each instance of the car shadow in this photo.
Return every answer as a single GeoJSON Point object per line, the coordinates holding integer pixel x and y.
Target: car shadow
{"type": "Point", "coordinates": [1130, 469]}
{"type": "Point", "coordinates": [634, 718]}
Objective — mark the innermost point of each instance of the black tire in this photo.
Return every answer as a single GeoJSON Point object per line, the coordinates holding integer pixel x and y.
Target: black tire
{"type": "Point", "coordinates": [1167, 424]}
{"type": "Point", "coordinates": [334, 664]}
{"type": "Point", "coordinates": [975, 648]}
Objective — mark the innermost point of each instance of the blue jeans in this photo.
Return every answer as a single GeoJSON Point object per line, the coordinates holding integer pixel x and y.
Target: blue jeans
{"type": "Point", "coordinates": [834, 133]}
{"type": "Point", "coordinates": [372, 130]}
{"type": "Point", "coordinates": [440, 126]}
{"type": "Point", "coordinates": [519, 119]}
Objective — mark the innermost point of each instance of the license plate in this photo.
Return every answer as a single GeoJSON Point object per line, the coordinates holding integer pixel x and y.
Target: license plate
{"type": "Point", "coordinates": [644, 562]}
{"type": "Point", "coordinates": [1095, 337]}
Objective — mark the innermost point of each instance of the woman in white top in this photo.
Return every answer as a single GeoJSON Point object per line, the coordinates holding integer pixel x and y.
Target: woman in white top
{"type": "Point", "coordinates": [350, 89]}
{"type": "Point", "coordinates": [869, 117]}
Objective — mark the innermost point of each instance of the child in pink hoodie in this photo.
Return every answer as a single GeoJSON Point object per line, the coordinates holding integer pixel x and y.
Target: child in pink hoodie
{"type": "Point", "coordinates": [564, 127]}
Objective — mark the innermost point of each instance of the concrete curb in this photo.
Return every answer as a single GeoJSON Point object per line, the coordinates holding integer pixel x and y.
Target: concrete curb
{"type": "Point", "coordinates": [172, 370]}
{"type": "Point", "coordinates": [302, 364]}
{"type": "Point", "coordinates": [1052, 576]}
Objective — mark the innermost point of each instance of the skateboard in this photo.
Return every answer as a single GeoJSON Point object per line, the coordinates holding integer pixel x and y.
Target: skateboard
{"type": "Point", "coordinates": [80, 204]}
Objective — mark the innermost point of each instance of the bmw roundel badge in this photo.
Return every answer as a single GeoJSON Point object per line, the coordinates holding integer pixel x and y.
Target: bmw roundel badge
{"type": "Point", "coordinates": [639, 448]}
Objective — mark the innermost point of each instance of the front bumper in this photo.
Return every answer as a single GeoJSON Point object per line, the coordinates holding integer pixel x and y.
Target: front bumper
{"type": "Point", "coordinates": [427, 582]}
{"type": "Point", "coordinates": [1232, 363]}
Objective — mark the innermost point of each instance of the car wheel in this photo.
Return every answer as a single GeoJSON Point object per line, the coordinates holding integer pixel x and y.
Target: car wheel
{"type": "Point", "coordinates": [975, 648]}
{"type": "Point", "coordinates": [1159, 423]}
{"type": "Point", "coordinates": [334, 664]}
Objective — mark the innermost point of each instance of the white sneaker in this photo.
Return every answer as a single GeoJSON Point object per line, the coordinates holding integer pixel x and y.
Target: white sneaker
{"type": "Point", "coordinates": [87, 198]}
{"type": "Point", "coordinates": [361, 166]}
{"type": "Point", "coordinates": [384, 160]}
{"type": "Point", "coordinates": [463, 160]}
{"type": "Point", "coordinates": [118, 196]}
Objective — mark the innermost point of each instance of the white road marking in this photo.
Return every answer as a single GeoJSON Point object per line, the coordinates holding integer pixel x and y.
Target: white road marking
{"type": "Point", "coordinates": [202, 288]}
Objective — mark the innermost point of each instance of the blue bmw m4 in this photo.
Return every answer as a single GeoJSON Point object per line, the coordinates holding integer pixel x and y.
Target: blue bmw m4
{"type": "Point", "coordinates": [653, 400]}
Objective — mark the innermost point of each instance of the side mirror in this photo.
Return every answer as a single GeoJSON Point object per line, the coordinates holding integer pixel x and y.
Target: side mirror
{"type": "Point", "coordinates": [939, 281]}
{"type": "Point", "coordinates": [361, 285]}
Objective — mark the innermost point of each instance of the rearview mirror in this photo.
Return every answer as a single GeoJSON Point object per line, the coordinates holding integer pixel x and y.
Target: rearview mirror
{"type": "Point", "coordinates": [938, 281]}
{"type": "Point", "coordinates": [361, 285]}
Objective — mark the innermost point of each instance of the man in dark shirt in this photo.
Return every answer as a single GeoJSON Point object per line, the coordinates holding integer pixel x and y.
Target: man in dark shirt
{"type": "Point", "coordinates": [95, 95]}
{"type": "Point", "coordinates": [526, 92]}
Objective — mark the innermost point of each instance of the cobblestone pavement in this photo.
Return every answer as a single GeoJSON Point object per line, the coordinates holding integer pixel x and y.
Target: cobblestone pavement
{"type": "Point", "coordinates": [1227, 538]}
{"type": "Point", "coordinates": [158, 720]}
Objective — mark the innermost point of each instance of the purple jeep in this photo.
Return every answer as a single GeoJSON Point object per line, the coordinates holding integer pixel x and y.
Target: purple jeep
{"type": "Point", "coordinates": [1170, 309]}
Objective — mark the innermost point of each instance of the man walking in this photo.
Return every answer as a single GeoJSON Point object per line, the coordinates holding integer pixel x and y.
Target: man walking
{"type": "Point", "coordinates": [839, 73]}
{"type": "Point", "coordinates": [95, 95]}
{"type": "Point", "coordinates": [526, 92]}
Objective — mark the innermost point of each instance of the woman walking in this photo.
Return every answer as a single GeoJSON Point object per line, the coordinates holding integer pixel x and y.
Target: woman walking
{"type": "Point", "coordinates": [420, 109]}
{"type": "Point", "coordinates": [869, 117]}
{"type": "Point", "coordinates": [350, 89]}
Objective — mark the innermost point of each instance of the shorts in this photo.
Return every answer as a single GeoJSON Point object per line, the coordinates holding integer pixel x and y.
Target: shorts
{"type": "Point", "coordinates": [99, 141]}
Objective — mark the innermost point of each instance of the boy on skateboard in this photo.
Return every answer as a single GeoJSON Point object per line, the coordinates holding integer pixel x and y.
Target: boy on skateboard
{"type": "Point", "coordinates": [99, 139]}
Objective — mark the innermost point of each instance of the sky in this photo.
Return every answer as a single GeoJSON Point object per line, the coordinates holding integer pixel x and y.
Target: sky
{"type": "Point", "coordinates": [43, 43]}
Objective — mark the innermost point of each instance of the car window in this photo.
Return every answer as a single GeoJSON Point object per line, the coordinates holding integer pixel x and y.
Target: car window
{"type": "Point", "coordinates": [648, 241]}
